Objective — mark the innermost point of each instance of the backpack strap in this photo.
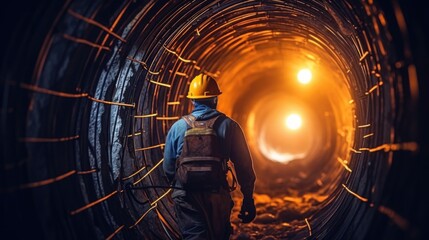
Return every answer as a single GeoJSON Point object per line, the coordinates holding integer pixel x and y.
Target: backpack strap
{"type": "Point", "coordinates": [190, 119]}
{"type": "Point", "coordinates": [212, 121]}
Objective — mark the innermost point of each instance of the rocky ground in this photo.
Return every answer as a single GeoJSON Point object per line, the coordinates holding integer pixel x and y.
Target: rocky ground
{"type": "Point", "coordinates": [277, 217]}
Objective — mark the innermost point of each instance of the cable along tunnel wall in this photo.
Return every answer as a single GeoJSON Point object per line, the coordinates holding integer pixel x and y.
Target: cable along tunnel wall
{"type": "Point", "coordinates": [93, 94]}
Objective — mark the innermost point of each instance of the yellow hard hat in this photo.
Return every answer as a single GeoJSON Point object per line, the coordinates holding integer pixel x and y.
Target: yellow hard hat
{"type": "Point", "coordinates": [203, 86]}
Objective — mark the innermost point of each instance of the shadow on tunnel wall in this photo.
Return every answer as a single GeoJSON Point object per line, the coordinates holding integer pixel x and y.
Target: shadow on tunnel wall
{"type": "Point", "coordinates": [89, 89]}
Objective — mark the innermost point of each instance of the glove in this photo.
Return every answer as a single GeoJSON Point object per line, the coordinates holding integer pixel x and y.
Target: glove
{"type": "Point", "coordinates": [248, 210]}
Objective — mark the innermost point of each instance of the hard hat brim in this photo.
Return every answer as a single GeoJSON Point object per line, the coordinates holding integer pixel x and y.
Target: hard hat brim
{"type": "Point", "coordinates": [203, 96]}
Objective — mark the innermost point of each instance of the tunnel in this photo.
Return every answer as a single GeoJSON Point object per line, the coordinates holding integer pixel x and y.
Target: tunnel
{"type": "Point", "coordinates": [89, 90]}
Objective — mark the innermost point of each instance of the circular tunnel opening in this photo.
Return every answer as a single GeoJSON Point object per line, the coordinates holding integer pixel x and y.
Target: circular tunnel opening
{"type": "Point", "coordinates": [93, 94]}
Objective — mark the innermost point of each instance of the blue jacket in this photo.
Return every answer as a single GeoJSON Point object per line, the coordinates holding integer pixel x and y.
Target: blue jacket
{"type": "Point", "coordinates": [234, 147]}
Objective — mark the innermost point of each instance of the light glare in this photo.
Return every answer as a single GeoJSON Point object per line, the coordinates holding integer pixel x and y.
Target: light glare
{"type": "Point", "coordinates": [293, 121]}
{"type": "Point", "coordinates": [304, 76]}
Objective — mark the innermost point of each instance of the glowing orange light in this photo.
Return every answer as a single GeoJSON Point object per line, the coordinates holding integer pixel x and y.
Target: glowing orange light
{"type": "Point", "coordinates": [293, 121]}
{"type": "Point", "coordinates": [304, 76]}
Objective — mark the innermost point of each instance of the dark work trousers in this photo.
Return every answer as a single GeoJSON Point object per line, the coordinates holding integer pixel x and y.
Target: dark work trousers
{"type": "Point", "coordinates": [204, 215]}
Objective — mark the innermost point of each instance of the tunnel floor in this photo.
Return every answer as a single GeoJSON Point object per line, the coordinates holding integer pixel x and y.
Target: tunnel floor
{"type": "Point", "coordinates": [277, 217]}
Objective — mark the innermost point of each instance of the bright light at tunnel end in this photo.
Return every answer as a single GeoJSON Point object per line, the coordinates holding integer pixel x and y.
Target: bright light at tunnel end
{"type": "Point", "coordinates": [293, 121]}
{"type": "Point", "coordinates": [304, 76]}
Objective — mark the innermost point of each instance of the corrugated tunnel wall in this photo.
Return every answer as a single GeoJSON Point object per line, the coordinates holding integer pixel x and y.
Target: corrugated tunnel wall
{"type": "Point", "coordinates": [89, 90]}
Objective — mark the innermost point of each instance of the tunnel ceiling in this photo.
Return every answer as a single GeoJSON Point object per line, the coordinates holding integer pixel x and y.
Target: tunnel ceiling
{"type": "Point", "coordinates": [90, 89]}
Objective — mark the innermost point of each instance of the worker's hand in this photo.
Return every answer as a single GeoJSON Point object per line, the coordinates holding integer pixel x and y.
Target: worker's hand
{"type": "Point", "coordinates": [248, 210]}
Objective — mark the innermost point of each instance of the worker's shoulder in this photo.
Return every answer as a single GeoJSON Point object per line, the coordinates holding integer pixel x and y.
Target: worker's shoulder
{"type": "Point", "coordinates": [225, 119]}
{"type": "Point", "coordinates": [179, 125]}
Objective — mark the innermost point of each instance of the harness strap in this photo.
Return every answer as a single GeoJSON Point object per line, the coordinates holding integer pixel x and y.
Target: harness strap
{"type": "Point", "coordinates": [192, 121]}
